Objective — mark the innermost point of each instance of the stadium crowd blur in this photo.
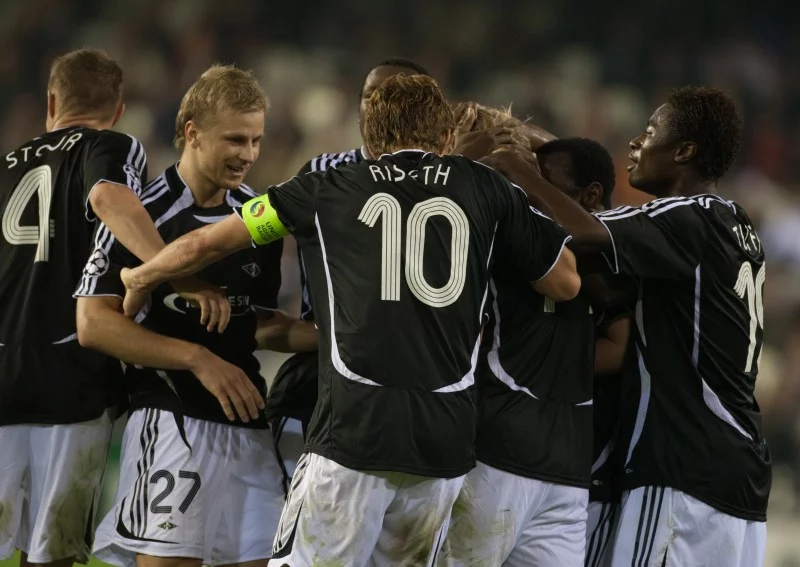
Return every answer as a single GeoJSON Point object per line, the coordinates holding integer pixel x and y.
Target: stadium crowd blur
{"type": "Point", "coordinates": [576, 67]}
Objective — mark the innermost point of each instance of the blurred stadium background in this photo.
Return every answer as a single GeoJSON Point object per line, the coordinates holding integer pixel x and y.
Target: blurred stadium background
{"type": "Point", "coordinates": [577, 67]}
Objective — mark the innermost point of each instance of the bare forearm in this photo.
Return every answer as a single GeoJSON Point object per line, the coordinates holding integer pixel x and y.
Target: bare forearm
{"type": "Point", "coordinates": [588, 234]}
{"type": "Point", "coordinates": [287, 336]}
{"type": "Point", "coordinates": [183, 257]}
{"type": "Point", "coordinates": [121, 211]}
{"type": "Point", "coordinates": [612, 346]}
{"type": "Point", "coordinates": [191, 253]}
{"type": "Point", "coordinates": [608, 357]}
{"type": "Point", "coordinates": [115, 334]}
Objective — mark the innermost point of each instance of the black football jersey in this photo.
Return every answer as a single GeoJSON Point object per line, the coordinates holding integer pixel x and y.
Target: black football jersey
{"type": "Point", "coordinates": [322, 162]}
{"type": "Point", "coordinates": [690, 419]}
{"type": "Point", "coordinates": [535, 389]}
{"type": "Point", "coordinates": [47, 234]}
{"type": "Point", "coordinates": [398, 253]}
{"type": "Point", "coordinates": [251, 278]}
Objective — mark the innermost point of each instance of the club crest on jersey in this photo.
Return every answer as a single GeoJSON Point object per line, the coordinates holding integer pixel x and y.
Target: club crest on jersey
{"type": "Point", "coordinates": [252, 269]}
{"type": "Point", "coordinates": [257, 209]}
{"type": "Point", "coordinates": [97, 265]}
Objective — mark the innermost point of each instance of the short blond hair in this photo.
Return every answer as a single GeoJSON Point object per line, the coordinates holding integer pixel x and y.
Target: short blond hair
{"type": "Point", "coordinates": [86, 80]}
{"type": "Point", "coordinates": [490, 117]}
{"type": "Point", "coordinates": [407, 111]}
{"type": "Point", "coordinates": [221, 88]}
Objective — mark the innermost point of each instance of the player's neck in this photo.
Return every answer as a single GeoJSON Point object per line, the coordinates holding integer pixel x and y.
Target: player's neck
{"type": "Point", "coordinates": [206, 193]}
{"type": "Point", "coordinates": [689, 186]}
{"type": "Point", "coordinates": [86, 121]}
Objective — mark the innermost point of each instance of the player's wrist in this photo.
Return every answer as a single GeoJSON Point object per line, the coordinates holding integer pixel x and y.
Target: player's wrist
{"type": "Point", "coordinates": [135, 280]}
{"type": "Point", "coordinates": [195, 357]}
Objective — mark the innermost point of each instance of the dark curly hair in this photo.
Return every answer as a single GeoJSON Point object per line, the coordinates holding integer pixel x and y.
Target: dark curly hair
{"type": "Point", "coordinates": [709, 118]}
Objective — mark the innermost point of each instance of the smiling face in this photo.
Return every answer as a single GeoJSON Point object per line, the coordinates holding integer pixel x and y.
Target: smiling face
{"type": "Point", "coordinates": [653, 154]}
{"type": "Point", "coordinates": [226, 146]}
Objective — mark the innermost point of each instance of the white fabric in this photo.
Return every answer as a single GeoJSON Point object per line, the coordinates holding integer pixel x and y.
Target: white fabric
{"type": "Point", "coordinates": [339, 516]}
{"type": "Point", "coordinates": [505, 519]}
{"type": "Point", "coordinates": [50, 480]}
{"type": "Point", "coordinates": [601, 521]}
{"type": "Point", "coordinates": [219, 501]}
{"type": "Point", "coordinates": [656, 522]}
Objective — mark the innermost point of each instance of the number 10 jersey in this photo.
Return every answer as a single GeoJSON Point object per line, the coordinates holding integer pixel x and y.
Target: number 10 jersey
{"type": "Point", "coordinates": [46, 239]}
{"type": "Point", "coordinates": [398, 253]}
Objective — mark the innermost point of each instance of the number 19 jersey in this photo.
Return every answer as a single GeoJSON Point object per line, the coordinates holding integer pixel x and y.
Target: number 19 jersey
{"type": "Point", "coordinates": [47, 233]}
{"type": "Point", "coordinates": [688, 414]}
{"type": "Point", "coordinates": [398, 253]}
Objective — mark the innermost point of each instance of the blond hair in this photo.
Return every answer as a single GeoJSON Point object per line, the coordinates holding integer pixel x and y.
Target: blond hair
{"type": "Point", "coordinates": [490, 117]}
{"type": "Point", "coordinates": [86, 80]}
{"type": "Point", "coordinates": [221, 88]}
{"type": "Point", "coordinates": [407, 111]}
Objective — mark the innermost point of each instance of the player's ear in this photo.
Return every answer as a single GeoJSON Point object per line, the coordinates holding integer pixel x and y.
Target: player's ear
{"type": "Point", "coordinates": [592, 196]}
{"type": "Point", "coordinates": [118, 112]}
{"type": "Point", "coordinates": [51, 105]}
{"type": "Point", "coordinates": [190, 133]}
{"type": "Point", "coordinates": [685, 152]}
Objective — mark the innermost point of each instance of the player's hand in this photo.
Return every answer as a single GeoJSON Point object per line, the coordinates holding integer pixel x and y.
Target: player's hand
{"type": "Point", "coordinates": [230, 385]}
{"type": "Point", "coordinates": [136, 295]}
{"type": "Point", "coordinates": [511, 159]}
{"type": "Point", "coordinates": [538, 136]}
{"type": "Point", "coordinates": [215, 309]}
{"type": "Point", "coordinates": [466, 114]}
{"type": "Point", "coordinates": [480, 143]}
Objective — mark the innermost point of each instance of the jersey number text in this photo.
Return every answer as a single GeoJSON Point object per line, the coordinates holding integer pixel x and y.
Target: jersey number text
{"type": "Point", "coordinates": [386, 206]}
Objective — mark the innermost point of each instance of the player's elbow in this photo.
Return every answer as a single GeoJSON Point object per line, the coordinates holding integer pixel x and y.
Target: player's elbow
{"type": "Point", "coordinates": [568, 287]}
{"type": "Point", "coordinates": [90, 320]}
{"type": "Point", "coordinates": [87, 325]}
{"type": "Point", "coordinates": [562, 283]}
{"type": "Point", "coordinates": [103, 199]}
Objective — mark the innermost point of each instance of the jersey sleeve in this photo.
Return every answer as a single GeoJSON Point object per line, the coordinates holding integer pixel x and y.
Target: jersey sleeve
{"type": "Point", "coordinates": [662, 239]}
{"type": "Point", "coordinates": [114, 158]}
{"type": "Point", "coordinates": [286, 208]}
{"type": "Point", "coordinates": [526, 238]}
{"type": "Point", "coordinates": [269, 277]}
{"type": "Point", "coordinates": [101, 274]}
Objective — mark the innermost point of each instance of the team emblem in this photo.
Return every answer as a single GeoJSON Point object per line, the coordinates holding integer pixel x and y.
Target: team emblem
{"type": "Point", "coordinates": [167, 525]}
{"type": "Point", "coordinates": [253, 270]}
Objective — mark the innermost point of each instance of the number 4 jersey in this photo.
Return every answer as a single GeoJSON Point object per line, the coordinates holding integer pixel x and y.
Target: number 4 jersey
{"type": "Point", "coordinates": [689, 419]}
{"type": "Point", "coordinates": [47, 231]}
{"type": "Point", "coordinates": [398, 253]}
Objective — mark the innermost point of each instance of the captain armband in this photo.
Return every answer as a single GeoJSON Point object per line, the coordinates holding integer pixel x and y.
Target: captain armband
{"type": "Point", "coordinates": [261, 219]}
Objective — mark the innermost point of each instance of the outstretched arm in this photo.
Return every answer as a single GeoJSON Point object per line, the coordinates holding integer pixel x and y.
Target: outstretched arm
{"type": "Point", "coordinates": [184, 257]}
{"type": "Point", "coordinates": [588, 234]}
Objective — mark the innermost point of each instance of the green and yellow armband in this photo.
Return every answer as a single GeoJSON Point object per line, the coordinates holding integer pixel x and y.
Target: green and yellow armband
{"type": "Point", "coordinates": [261, 219]}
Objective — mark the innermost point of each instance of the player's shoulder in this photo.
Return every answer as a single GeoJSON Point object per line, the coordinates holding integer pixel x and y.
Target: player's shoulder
{"type": "Point", "coordinates": [242, 194]}
{"type": "Point", "coordinates": [693, 208]}
{"type": "Point", "coordinates": [326, 161]}
{"type": "Point", "coordinates": [116, 140]}
{"type": "Point", "coordinates": [157, 196]}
